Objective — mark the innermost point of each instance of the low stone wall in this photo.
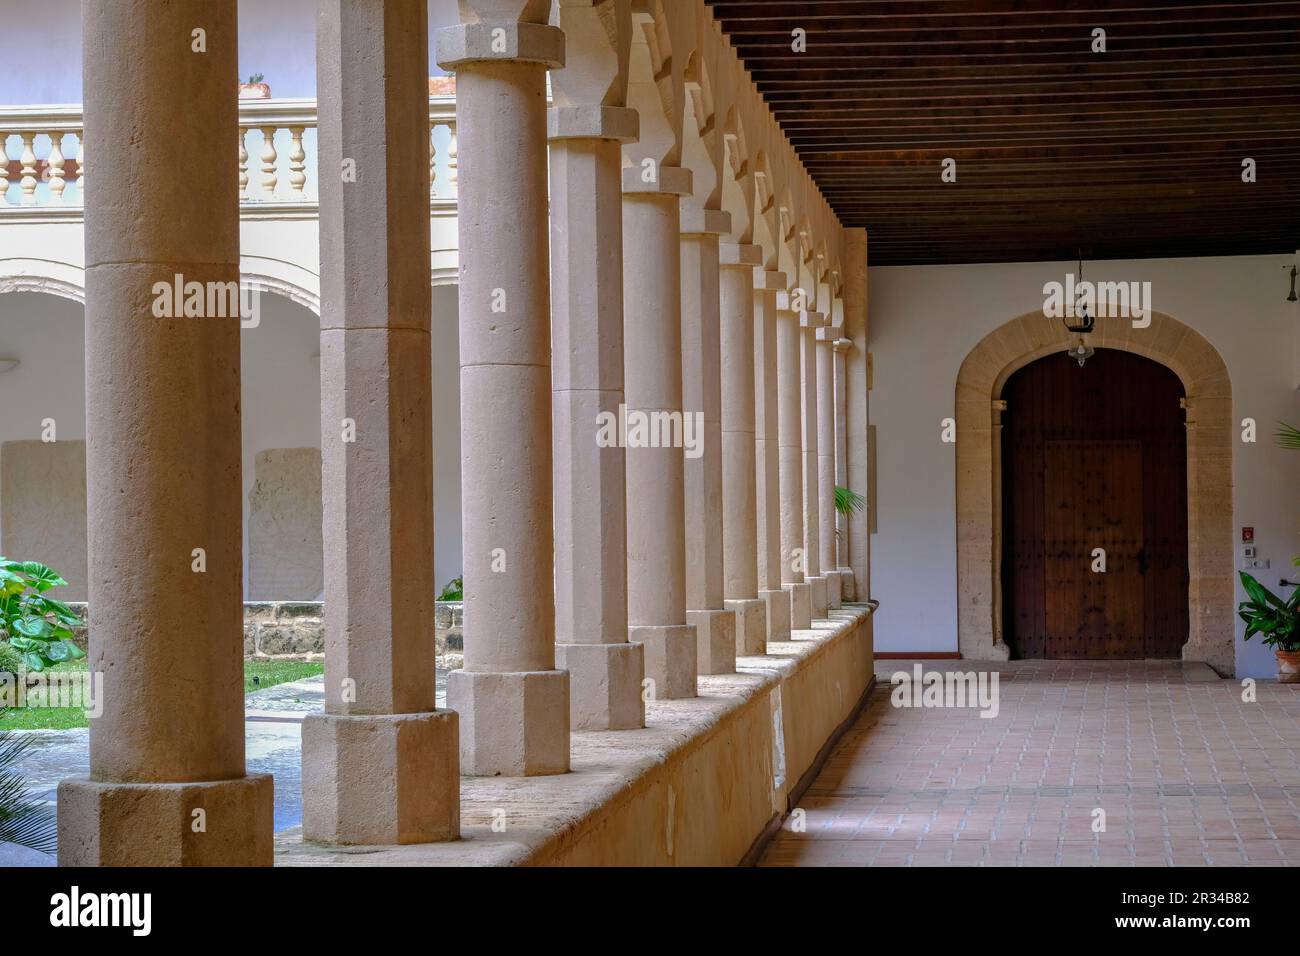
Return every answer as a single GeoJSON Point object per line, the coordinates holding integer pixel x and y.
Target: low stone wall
{"type": "Point", "coordinates": [702, 785]}
{"type": "Point", "coordinates": [296, 629]}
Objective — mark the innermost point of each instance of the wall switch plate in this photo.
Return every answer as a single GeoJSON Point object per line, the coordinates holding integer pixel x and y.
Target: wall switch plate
{"type": "Point", "coordinates": [1258, 564]}
{"type": "Point", "coordinates": [1248, 551]}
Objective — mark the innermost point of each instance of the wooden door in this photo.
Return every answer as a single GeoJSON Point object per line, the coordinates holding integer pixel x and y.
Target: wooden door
{"type": "Point", "coordinates": [1093, 548]}
{"type": "Point", "coordinates": [1094, 458]}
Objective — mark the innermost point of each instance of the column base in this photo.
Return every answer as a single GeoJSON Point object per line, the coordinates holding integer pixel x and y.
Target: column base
{"type": "Point", "coordinates": [848, 588]}
{"type": "Point", "coordinates": [381, 779]}
{"type": "Point", "coordinates": [778, 614]}
{"type": "Point", "coordinates": [715, 641]}
{"type": "Point", "coordinates": [818, 595]}
{"type": "Point", "coordinates": [670, 659]}
{"type": "Point", "coordinates": [512, 724]}
{"type": "Point", "coordinates": [156, 824]}
{"type": "Point", "coordinates": [604, 685]}
{"type": "Point", "coordinates": [800, 605]}
{"type": "Point", "coordinates": [751, 626]}
{"type": "Point", "coordinates": [833, 585]}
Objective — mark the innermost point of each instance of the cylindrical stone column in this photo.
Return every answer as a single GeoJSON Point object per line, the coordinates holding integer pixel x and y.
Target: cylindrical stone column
{"type": "Point", "coordinates": [818, 596]}
{"type": "Point", "coordinates": [789, 416]}
{"type": "Point", "coordinates": [652, 375]}
{"type": "Point", "coordinates": [856, 399]}
{"type": "Point", "coordinates": [380, 766]}
{"type": "Point", "coordinates": [513, 702]}
{"type": "Point", "coordinates": [605, 670]}
{"type": "Point", "coordinates": [767, 487]}
{"type": "Point", "coordinates": [163, 453]}
{"type": "Point", "coordinates": [826, 462]}
{"type": "Point", "coordinates": [847, 592]}
{"type": "Point", "coordinates": [739, 494]}
{"type": "Point", "coordinates": [715, 625]}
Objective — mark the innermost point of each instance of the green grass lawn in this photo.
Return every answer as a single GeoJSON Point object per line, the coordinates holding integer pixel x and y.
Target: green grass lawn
{"type": "Point", "coordinates": [258, 675]}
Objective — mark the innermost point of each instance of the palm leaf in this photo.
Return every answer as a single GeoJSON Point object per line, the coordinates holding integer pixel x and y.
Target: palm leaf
{"type": "Point", "coordinates": [22, 821]}
{"type": "Point", "coordinates": [848, 502]}
{"type": "Point", "coordinates": [1287, 436]}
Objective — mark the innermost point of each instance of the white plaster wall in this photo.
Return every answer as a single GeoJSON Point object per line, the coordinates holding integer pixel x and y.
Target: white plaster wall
{"type": "Point", "coordinates": [924, 320]}
{"type": "Point", "coordinates": [40, 47]}
{"type": "Point", "coordinates": [46, 334]}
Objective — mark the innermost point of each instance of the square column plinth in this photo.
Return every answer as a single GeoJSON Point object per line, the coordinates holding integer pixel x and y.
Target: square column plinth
{"type": "Point", "coordinates": [382, 778]}
{"type": "Point", "coordinates": [751, 626]}
{"type": "Point", "coordinates": [800, 605]}
{"type": "Point", "coordinates": [818, 595]}
{"type": "Point", "coordinates": [511, 724]}
{"type": "Point", "coordinates": [715, 640]}
{"type": "Point", "coordinates": [778, 614]}
{"type": "Point", "coordinates": [213, 823]}
{"type": "Point", "coordinates": [604, 684]}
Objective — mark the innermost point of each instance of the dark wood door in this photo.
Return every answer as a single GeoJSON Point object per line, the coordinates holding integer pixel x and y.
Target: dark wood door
{"type": "Point", "coordinates": [1094, 458]}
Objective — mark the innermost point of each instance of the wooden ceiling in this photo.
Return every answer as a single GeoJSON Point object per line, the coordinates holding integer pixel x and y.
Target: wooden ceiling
{"type": "Point", "coordinates": [1136, 152]}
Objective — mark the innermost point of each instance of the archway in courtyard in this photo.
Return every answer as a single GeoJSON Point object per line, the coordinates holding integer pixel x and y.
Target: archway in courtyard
{"type": "Point", "coordinates": [1094, 509]}
{"type": "Point", "coordinates": [1208, 407]}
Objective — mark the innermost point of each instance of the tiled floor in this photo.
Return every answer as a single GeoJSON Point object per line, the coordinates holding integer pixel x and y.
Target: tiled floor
{"type": "Point", "coordinates": [1186, 772]}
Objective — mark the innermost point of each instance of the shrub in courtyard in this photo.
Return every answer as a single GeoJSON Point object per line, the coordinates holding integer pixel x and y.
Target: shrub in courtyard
{"type": "Point", "coordinates": [38, 627]}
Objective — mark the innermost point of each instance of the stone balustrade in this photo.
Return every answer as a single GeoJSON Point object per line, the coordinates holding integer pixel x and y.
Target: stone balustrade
{"type": "Point", "coordinates": [44, 168]}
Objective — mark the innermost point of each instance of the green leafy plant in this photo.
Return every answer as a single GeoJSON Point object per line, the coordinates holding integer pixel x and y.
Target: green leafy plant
{"type": "Point", "coordinates": [848, 502]}
{"type": "Point", "coordinates": [255, 79]}
{"type": "Point", "coordinates": [1278, 621]}
{"type": "Point", "coordinates": [22, 821]}
{"type": "Point", "coordinates": [37, 627]}
{"type": "Point", "coordinates": [1287, 436]}
{"type": "Point", "coordinates": [453, 590]}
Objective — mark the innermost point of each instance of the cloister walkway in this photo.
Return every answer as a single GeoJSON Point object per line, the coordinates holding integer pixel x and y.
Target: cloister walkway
{"type": "Point", "coordinates": [1186, 771]}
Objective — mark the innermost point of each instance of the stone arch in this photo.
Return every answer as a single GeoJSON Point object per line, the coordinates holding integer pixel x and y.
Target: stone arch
{"type": "Point", "coordinates": [1209, 474]}
{"type": "Point", "coordinates": [62, 279]}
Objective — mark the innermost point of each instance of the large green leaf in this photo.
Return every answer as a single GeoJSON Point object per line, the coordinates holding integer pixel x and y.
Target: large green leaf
{"type": "Point", "coordinates": [36, 627]}
{"type": "Point", "coordinates": [1260, 594]}
{"type": "Point", "coordinates": [1287, 436]}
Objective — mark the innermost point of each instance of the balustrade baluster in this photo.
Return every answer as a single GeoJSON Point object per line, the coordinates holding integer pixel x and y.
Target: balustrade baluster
{"type": "Point", "coordinates": [433, 162]}
{"type": "Point", "coordinates": [451, 155]}
{"type": "Point", "coordinates": [56, 163]}
{"type": "Point", "coordinates": [269, 156]}
{"type": "Point", "coordinates": [29, 169]}
{"type": "Point", "coordinates": [243, 163]}
{"type": "Point", "coordinates": [4, 169]}
{"type": "Point", "coordinates": [297, 163]}
{"type": "Point", "coordinates": [81, 164]}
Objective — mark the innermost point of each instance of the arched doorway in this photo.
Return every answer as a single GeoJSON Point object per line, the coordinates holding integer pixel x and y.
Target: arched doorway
{"type": "Point", "coordinates": [1209, 419]}
{"type": "Point", "coordinates": [1094, 509]}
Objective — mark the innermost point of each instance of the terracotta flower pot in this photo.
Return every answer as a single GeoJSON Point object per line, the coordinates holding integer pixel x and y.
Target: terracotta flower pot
{"type": "Point", "coordinates": [254, 91]}
{"type": "Point", "coordinates": [1288, 667]}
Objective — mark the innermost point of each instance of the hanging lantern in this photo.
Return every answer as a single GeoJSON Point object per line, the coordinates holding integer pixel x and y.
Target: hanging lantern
{"type": "Point", "coordinates": [1081, 352]}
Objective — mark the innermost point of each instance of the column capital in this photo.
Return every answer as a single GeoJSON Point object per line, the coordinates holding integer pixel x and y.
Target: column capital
{"type": "Point", "coordinates": [766, 280]}
{"type": "Point", "coordinates": [670, 181]}
{"type": "Point", "coordinates": [739, 255]}
{"type": "Point", "coordinates": [621, 124]}
{"type": "Point", "coordinates": [507, 40]}
{"type": "Point", "coordinates": [812, 320]}
{"type": "Point", "coordinates": [705, 222]}
{"type": "Point", "coordinates": [843, 345]}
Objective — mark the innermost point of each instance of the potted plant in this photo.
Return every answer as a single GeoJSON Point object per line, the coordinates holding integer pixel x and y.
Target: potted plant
{"type": "Point", "coordinates": [255, 88]}
{"type": "Point", "coordinates": [1279, 623]}
{"type": "Point", "coordinates": [39, 628]}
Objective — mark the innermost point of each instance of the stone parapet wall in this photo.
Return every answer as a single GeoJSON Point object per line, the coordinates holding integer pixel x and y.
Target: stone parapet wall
{"type": "Point", "coordinates": [704, 784]}
{"type": "Point", "coordinates": [296, 629]}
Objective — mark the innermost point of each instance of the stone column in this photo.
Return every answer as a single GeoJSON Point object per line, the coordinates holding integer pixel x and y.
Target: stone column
{"type": "Point", "coordinates": [652, 373]}
{"type": "Point", "coordinates": [789, 414]}
{"type": "Point", "coordinates": [847, 592]}
{"type": "Point", "coordinates": [163, 454]}
{"type": "Point", "coordinates": [605, 671]}
{"type": "Point", "coordinates": [826, 462]}
{"type": "Point", "coordinates": [767, 488]}
{"type": "Point", "coordinates": [715, 625]}
{"type": "Point", "coordinates": [810, 323]}
{"type": "Point", "coordinates": [739, 497]}
{"type": "Point", "coordinates": [513, 702]}
{"type": "Point", "coordinates": [855, 400]}
{"type": "Point", "coordinates": [380, 765]}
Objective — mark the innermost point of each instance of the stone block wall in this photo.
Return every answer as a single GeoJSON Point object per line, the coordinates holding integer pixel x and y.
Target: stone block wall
{"type": "Point", "coordinates": [297, 629]}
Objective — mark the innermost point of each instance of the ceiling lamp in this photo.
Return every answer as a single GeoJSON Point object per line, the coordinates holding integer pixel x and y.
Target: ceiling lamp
{"type": "Point", "coordinates": [1081, 352]}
